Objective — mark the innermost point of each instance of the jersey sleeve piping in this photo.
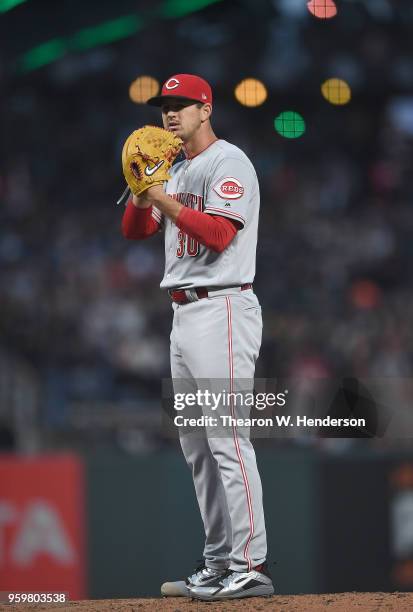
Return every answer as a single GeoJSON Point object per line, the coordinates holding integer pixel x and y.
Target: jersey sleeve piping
{"type": "Point", "coordinates": [225, 213]}
{"type": "Point", "coordinates": [156, 215]}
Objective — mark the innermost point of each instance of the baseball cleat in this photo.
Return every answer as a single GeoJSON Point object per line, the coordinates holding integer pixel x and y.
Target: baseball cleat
{"type": "Point", "coordinates": [236, 585]}
{"type": "Point", "coordinates": [203, 576]}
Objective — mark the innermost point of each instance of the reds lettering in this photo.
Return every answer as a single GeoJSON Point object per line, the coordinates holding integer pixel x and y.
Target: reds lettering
{"type": "Point", "coordinates": [191, 200]}
{"type": "Point", "coordinates": [229, 188]}
{"type": "Point", "coordinates": [232, 188]}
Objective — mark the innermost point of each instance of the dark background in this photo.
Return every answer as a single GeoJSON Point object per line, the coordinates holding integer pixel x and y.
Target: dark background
{"type": "Point", "coordinates": [82, 319]}
{"type": "Point", "coordinates": [84, 328]}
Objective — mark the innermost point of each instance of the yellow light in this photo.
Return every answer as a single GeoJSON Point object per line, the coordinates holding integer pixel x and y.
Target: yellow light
{"type": "Point", "coordinates": [143, 88]}
{"type": "Point", "coordinates": [336, 91]}
{"type": "Point", "coordinates": [251, 92]}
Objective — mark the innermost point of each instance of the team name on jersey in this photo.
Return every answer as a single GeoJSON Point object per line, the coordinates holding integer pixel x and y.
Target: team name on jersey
{"type": "Point", "coordinates": [191, 200]}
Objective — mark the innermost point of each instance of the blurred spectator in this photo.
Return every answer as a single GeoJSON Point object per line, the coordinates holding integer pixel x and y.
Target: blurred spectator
{"type": "Point", "coordinates": [79, 304]}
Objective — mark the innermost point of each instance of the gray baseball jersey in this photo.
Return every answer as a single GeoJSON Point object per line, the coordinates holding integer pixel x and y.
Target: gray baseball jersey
{"type": "Point", "coordinates": [220, 181]}
{"type": "Point", "coordinates": [219, 337]}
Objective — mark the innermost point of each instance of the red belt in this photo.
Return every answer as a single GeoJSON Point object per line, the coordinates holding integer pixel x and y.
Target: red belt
{"type": "Point", "coordinates": [179, 295]}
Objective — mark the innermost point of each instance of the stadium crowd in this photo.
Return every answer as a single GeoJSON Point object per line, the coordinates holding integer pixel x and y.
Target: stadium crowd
{"type": "Point", "coordinates": [84, 338]}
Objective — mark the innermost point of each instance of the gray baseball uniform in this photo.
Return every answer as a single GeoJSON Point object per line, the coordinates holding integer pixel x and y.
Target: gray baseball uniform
{"type": "Point", "coordinates": [219, 337]}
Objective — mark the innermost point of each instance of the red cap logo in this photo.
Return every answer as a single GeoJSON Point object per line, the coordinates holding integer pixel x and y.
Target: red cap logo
{"type": "Point", "coordinates": [229, 188]}
{"type": "Point", "coordinates": [172, 83]}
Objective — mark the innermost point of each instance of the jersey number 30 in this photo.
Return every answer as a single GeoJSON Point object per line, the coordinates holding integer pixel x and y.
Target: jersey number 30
{"type": "Point", "coordinates": [191, 245]}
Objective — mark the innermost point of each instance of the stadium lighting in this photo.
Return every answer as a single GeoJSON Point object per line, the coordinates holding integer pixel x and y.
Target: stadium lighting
{"type": "Point", "coordinates": [289, 124]}
{"type": "Point", "coordinates": [251, 92]}
{"type": "Point", "coordinates": [336, 91]}
{"type": "Point", "coordinates": [322, 9]}
{"type": "Point", "coordinates": [7, 5]}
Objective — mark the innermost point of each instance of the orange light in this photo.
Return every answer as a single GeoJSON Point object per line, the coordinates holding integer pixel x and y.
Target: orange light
{"type": "Point", "coordinates": [251, 92]}
{"type": "Point", "coordinates": [143, 88]}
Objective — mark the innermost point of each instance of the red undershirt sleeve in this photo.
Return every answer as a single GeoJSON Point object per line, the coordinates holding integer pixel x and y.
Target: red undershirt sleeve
{"type": "Point", "coordinates": [138, 223]}
{"type": "Point", "coordinates": [212, 231]}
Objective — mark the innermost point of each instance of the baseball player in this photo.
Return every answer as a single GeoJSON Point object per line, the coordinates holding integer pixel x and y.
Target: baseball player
{"type": "Point", "coordinates": [208, 211]}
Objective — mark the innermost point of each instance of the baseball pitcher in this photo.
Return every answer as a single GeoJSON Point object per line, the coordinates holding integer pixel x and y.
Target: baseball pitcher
{"type": "Point", "coordinates": [207, 206]}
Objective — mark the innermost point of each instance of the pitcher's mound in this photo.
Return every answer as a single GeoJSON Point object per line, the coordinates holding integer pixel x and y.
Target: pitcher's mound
{"type": "Point", "coordinates": [335, 602]}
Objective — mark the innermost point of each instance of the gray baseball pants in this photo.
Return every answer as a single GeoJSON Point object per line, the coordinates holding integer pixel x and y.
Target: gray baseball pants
{"type": "Point", "coordinates": [218, 338]}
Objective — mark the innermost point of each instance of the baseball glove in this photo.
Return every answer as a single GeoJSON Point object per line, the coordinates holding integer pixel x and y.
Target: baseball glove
{"type": "Point", "coordinates": [147, 156]}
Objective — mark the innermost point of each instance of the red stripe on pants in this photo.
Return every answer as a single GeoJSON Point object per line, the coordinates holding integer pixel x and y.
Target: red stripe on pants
{"type": "Point", "coordinates": [234, 431]}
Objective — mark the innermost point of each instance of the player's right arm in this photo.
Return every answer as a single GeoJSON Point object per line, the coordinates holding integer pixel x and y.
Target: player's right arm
{"type": "Point", "coordinates": [214, 233]}
{"type": "Point", "coordinates": [140, 222]}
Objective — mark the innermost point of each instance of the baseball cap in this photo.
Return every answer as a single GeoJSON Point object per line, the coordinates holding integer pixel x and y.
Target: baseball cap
{"type": "Point", "coordinates": [186, 86]}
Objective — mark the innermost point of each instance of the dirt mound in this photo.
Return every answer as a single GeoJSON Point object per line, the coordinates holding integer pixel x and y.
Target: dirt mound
{"type": "Point", "coordinates": [335, 602]}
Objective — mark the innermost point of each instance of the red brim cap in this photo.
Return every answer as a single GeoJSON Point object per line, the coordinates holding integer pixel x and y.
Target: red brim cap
{"type": "Point", "coordinates": [188, 87]}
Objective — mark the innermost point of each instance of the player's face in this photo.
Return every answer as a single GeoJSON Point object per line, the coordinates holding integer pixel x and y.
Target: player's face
{"type": "Point", "coordinates": [184, 118]}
